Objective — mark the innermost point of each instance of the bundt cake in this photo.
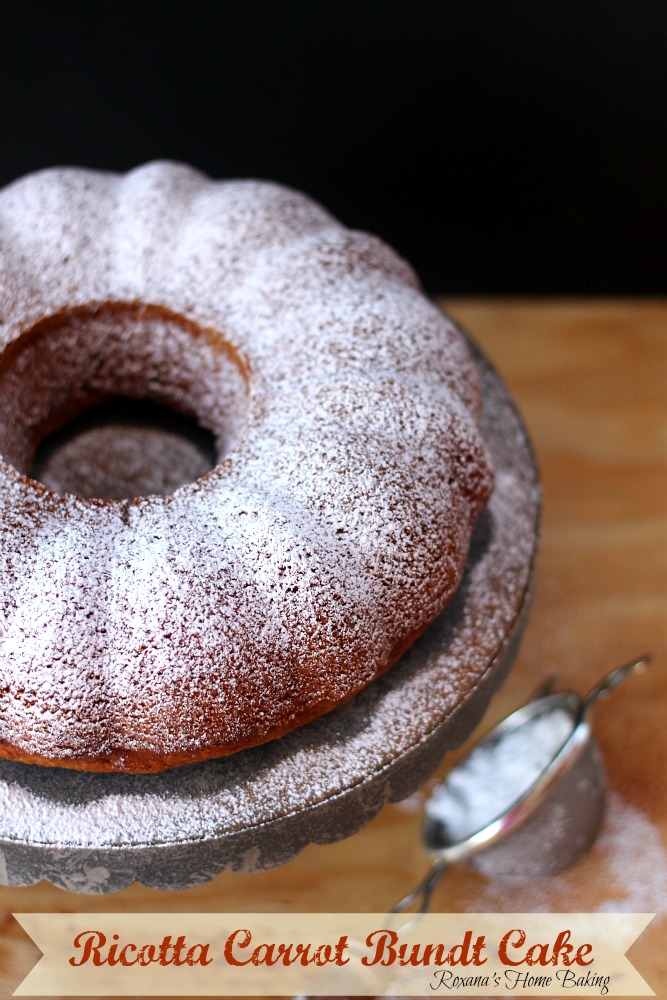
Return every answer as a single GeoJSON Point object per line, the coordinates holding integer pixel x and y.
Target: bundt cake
{"type": "Point", "coordinates": [138, 634]}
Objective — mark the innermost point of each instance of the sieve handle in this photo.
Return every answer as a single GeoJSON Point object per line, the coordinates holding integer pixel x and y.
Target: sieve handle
{"type": "Point", "coordinates": [609, 681]}
{"type": "Point", "coordinates": [422, 892]}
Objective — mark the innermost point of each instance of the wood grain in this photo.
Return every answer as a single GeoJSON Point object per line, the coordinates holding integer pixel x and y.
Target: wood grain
{"type": "Point", "coordinates": [591, 380]}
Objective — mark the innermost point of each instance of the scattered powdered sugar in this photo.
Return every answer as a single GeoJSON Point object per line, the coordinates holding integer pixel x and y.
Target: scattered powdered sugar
{"type": "Point", "coordinates": [626, 869]}
{"type": "Point", "coordinates": [497, 773]}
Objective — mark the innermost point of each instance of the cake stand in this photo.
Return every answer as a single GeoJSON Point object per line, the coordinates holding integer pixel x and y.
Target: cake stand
{"type": "Point", "coordinates": [96, 833]}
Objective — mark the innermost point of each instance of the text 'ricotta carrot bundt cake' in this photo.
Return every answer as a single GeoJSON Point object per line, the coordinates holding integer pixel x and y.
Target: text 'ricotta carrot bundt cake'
{"type": "Point", "coordinates": [143, 633]}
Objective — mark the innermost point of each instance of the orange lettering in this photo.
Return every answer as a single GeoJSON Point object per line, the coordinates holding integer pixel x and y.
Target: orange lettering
{"type": "Point", "coordinates": [92, 942]}
{"type": "Point", "coordinates": [507, 941]}
{"type": "Point", "coordinates": [230, 957]}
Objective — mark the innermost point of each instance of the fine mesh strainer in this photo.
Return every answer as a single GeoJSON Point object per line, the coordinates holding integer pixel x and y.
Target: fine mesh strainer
{"type": "Point", "coordinates": [528, 800]}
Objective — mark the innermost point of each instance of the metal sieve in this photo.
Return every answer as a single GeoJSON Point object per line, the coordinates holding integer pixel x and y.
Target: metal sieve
{"type": "Point", "coordinates": [551, 822]}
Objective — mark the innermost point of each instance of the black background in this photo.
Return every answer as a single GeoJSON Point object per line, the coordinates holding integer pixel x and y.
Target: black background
{"type": "Point", "coordinates": [503, 146]}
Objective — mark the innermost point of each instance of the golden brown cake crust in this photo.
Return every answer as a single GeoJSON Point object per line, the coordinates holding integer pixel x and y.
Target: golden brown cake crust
{"type": "Point", "coordinates": [142, 634]}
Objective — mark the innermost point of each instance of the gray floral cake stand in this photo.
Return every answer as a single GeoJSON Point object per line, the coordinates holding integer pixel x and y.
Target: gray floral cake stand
{"type": "Point", "coordinates": [96, 833]}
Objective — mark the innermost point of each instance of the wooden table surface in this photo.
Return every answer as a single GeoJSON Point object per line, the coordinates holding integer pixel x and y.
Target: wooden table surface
{"type": "Point", "coordinates": [591, 380]}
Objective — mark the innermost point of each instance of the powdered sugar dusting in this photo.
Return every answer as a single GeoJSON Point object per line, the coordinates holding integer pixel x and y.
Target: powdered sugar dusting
{"type": "Point", "coordinates": [335, 526]}
{"type": "Point", "coordinates": [120, 460]}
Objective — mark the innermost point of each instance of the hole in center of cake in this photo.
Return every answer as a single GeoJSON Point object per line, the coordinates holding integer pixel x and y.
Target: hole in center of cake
{"type": "Point", "coordinates": [123, 449]}
{"type": "Point", "coordinates": [120, 400]}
